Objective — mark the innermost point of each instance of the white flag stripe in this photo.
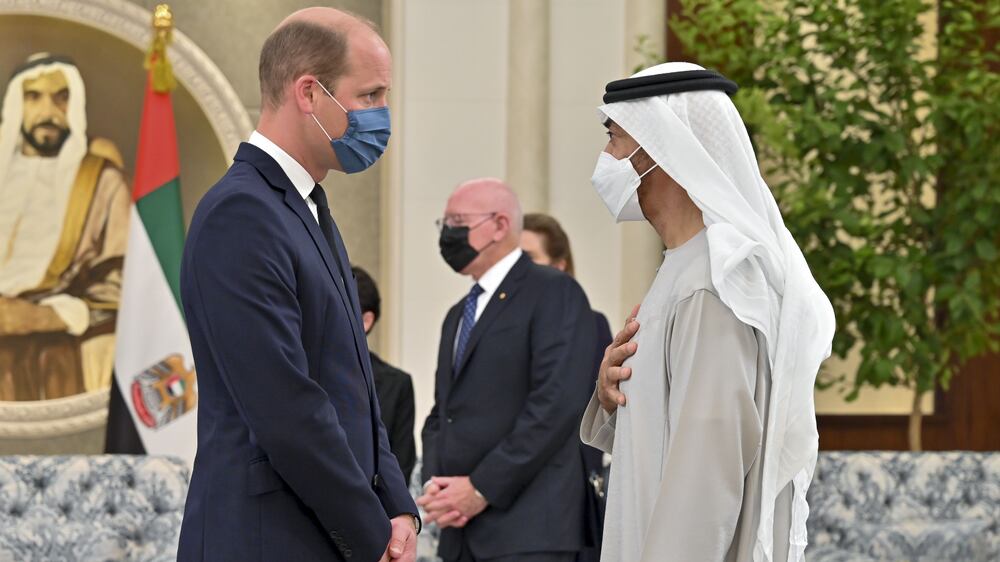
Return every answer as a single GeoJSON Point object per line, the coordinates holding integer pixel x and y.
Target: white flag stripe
{"type": "Point", "coordinates": [150, 329]}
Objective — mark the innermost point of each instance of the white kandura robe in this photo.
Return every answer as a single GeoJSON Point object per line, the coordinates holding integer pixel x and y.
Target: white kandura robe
{"type": "Point", "coordinates": [687, 448]}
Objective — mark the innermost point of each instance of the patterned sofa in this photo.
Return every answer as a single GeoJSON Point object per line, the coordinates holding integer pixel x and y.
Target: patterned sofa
{"type": "Point", "coordinates": [890, 507]}
{"type": "Point", "coordinates": [932, 507]}
{"type": "Point", "coordinates": [865, 506]}
{"type": "Point", "coordinates": [90, 508]}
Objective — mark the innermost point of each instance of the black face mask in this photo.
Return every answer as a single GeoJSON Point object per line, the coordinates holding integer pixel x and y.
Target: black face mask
{"type": "Point", "coordinates": [455, 247]}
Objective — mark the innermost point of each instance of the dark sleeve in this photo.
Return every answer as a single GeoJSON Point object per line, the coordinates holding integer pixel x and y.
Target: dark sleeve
{"type": "Point", "coordinates": [431, 462]}
{"type": "Point", "coordinates": [430, 466]}
{"type": "Point", "coordinates": [394, 493]}
{"type": "Point", "coordinates": [604, 336]}
{"type": "Point", "coordinates": [402, 427]}
{"type": "Point", "coordinates": [562, 336]}
{"type": "Point", "coordinates": [601, 344]}
{"type": "Point", "coordinates": [243, 296]}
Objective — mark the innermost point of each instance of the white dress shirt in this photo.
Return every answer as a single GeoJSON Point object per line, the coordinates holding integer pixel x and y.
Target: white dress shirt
{"type": "Point", "coordinates": [300, 178]}
{"type": "Point", "coordinates": [490, 282]}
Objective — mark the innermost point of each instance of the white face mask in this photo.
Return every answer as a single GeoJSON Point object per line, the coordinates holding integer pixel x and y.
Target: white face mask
{"type": "Point", "coordinates": [617, 182]}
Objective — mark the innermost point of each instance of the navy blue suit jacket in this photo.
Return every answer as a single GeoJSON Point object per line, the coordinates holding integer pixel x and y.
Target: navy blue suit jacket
{"type": "Point", "coordinates": [289, 438]}
{"type": "Point", "coordinates": [508, 415]}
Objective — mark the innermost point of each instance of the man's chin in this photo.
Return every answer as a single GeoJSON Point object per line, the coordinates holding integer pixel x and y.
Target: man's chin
{"type": "Point", "coordinates": [48, 143]}
{"type": "Point", "coordinates": [49, 147]}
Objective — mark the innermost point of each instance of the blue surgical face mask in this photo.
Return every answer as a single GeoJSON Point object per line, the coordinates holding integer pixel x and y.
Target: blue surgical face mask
{"type": "Point", "coordinates": [365, 139]}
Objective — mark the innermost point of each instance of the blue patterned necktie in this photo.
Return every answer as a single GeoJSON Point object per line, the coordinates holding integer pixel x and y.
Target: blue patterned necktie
{"type": "Point", "coordinates": [468, 321]}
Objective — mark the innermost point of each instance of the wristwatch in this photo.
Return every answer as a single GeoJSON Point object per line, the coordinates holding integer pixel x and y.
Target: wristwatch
{"type": "Point", "coordinates": [417, 523]}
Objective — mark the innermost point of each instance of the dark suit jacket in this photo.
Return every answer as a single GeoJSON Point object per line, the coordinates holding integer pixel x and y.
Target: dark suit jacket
{"type": "Point", "coordinates": [509, 417]}
{"type": "Point", "coordinates": [289, 442]}
{"type": "Point", "coordinates": [395, 398]}
{"type": "Point", "coordinates": [593, 459]}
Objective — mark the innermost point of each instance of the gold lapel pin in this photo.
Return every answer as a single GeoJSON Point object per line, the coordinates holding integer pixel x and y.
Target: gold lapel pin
{"type": "Point", "coordinates": [503, 296]}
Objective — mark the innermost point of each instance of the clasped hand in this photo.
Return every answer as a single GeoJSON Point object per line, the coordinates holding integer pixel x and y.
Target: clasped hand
{"type": "Point", "coordinates": [451, 501]}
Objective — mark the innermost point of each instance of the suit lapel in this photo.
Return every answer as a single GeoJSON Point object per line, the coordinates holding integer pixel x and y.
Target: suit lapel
{"type": "Point", "coordinates": [498, 303]}
{"type": "Point", "coordinates": [276, 177]}
{"type": "Point", "coordinates": [446, 351]}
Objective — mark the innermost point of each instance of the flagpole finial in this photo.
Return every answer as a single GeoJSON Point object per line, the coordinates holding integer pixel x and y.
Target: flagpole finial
{"type": "Point", "coordinates": [156, 58]}
{"type": "Point", "coordinates": [163, 21]}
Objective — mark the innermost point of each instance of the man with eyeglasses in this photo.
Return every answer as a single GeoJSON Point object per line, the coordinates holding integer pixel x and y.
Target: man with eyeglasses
{"type": "Point", "coordinates": [501, 462]}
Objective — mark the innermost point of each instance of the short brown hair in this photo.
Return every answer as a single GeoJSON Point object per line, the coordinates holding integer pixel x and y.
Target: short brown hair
{"type": "Point", "coordinates": [298, 48]}
{"type": "Point", "coordinates": [554, 239]}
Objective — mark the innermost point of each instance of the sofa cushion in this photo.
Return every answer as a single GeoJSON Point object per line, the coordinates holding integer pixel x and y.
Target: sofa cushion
{"type": "Point", "coordinates": [40, 540]}
{"type": "Point", "coordinates": [96, 508]}
{"type": "Point", "coordinates": [923, 540]}
{"type": "Point", "coordinates": [830, 553]}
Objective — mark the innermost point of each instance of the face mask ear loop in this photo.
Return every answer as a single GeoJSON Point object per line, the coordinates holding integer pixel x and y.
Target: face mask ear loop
{"type": "Point", "coordinates": [331, 96]}
{"type": "Point", "coordinates": [313, 115]}
{"type": "Point", "coordinates": [651, 168]}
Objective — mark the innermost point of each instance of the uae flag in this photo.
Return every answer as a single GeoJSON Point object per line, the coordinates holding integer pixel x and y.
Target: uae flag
{"type": "Point", "coordinates": [154, 370]}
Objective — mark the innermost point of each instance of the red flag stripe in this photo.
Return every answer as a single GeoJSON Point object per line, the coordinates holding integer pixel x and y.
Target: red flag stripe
{"type": "Point", "coordinates": [156, 161]}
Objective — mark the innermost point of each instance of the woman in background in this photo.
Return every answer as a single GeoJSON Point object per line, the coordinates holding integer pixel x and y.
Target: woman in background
{"type": "Point", "coordinates": [546, 243]}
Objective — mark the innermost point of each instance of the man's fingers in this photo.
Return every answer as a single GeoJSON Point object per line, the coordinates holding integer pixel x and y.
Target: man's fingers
{"type": "Point", "coordinates": [433, 516]}
{"type": "Point", "coordinates": [440, 504]}
{"type": "Point", "coordinates": [618, 374]}
{"type": "Point", "coordinates": [616, 396]}
{"type": "Point", "coordinates": [396, 547]}
{"type": "Point", "coordinates": [441, 482]}
{"type": "Point", "coordinates": [618, 355]}
{"type": "Point", "coordinates": [429, 494]}
{"type": "Point", "coordinates": [626, 334]}
{"type": "Point", "coordinates": [447, 519]}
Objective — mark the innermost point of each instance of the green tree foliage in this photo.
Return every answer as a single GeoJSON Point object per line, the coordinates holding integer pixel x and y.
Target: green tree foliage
{"type": "Point", "coordinates": [885, 161]}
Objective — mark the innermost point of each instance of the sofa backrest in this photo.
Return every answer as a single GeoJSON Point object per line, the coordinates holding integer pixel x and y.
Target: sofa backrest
{"type": "Point", "coordinates": [877, 487]}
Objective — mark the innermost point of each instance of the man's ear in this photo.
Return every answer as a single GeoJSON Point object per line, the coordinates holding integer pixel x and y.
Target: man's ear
{"type": "Point", "coordinates": [303, 90]}
{"type": "Point", "coordinates": [368, 320]}
{"type": "Point", "coordinates": [503, 226]}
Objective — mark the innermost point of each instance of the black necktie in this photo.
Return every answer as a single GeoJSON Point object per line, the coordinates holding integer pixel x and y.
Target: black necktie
{"type": "Point", "coordinates": [326, 222]}
{"type": "Point", "coordinates": [339, 251]}
{"type": "Point", "coordinates": [333, 239]}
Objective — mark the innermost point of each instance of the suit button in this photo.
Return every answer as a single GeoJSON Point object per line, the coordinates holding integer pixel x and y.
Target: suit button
{"type": "Point", "coordinates": [450, 420]}
{"type": "Point", "coordinates": [348, 553]}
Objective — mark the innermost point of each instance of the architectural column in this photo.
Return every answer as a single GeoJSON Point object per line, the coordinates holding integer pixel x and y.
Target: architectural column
{"type": "Point", "coordinates": [528, 102]}
{"type": "Point", "coordinates": [641, 247]}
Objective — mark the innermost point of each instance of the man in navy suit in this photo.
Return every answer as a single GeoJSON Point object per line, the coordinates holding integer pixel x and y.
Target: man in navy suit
{"type": "Point", "coordinates": [293, 462]}
{"type": "Point", "coordinates": [501, 457]}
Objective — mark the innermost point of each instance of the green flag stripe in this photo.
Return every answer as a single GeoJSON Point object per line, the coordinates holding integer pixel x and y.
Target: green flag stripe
{"type": "Point", "coordinates": [163, 219]}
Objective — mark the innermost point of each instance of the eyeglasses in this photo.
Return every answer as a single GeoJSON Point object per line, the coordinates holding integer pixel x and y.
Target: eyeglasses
{"type": "Point", "coordinates": [461, 219]}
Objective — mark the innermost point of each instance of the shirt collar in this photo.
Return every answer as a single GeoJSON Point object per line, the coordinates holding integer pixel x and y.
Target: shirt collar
{"type": "Point", "coordinates": [298, 175]}
{"type": "Point", "coordinates": [490, 281]}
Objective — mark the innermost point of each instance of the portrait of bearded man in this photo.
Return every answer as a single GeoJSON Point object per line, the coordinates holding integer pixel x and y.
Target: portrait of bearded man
{"type": "Point", "coordinates": [64, 209]}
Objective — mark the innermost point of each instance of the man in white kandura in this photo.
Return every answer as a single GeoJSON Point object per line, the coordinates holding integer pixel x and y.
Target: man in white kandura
{"type": "Point", "coordinates": [707, 409]}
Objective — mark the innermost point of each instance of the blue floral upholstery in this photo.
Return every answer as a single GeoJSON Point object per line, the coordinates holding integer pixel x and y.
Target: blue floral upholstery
{"type": "Point", "coordinates": [90, 508]}
{"type": "Point", "coordinates": [428, 540]}
{"type": "Point", "coordinates": [905, 506]}
{"type": "Point", "coordinates": [864, 507]}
